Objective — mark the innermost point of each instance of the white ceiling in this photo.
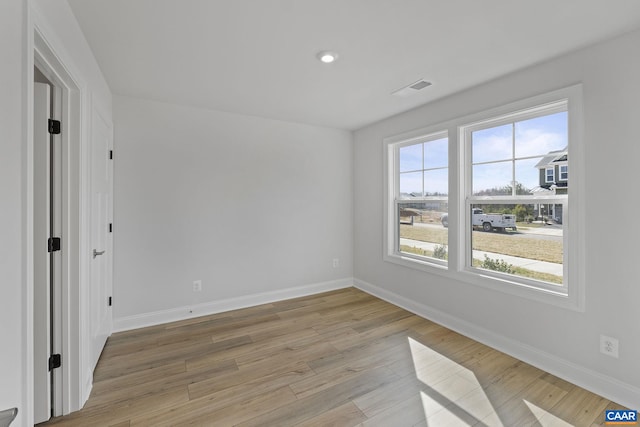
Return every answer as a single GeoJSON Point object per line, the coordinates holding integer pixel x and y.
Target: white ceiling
{"type": "Point", "coordinates": [258, 57]}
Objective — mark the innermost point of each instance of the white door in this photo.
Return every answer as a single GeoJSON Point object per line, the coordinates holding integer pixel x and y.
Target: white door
{"type": "Point", "coordinates": [101, 241]}
{"type": "Point", "coordinates": [42, 270]}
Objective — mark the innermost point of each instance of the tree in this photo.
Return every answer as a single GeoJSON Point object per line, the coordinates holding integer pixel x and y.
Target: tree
{"type": "Point", "coordinates": [507, 190]}
{"type": "Point", "coordinates": [521, 212]}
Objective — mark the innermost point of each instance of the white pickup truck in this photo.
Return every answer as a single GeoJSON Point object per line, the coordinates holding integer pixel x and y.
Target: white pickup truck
{"type": "Point", "coordinates": [490, 221]}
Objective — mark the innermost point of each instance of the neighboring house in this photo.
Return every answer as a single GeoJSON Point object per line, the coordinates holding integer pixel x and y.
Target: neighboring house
{"type": "Point", "coordinates": [554, 176]}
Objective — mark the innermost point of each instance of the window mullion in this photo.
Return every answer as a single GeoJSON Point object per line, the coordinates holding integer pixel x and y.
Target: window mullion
{"type": "Point", "coordinates": [513, 157]}
{"type": "Point", "coordinates": [422, 146]}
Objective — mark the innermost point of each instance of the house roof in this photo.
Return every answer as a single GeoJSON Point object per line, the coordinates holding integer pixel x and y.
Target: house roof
{"type": "Point", "coordinates": [552, 158]}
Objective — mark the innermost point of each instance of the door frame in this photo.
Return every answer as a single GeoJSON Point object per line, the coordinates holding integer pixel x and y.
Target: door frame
{"type": "Point", "coordinates": [47, 206]}
{"type": "Point", "coordinates": [75, 384]}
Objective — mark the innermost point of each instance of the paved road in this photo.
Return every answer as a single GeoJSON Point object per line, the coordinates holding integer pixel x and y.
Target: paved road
{"type": "Point", "coordinates": [548, 232]}
{"type": "Point", "coordinates": [530, 264]}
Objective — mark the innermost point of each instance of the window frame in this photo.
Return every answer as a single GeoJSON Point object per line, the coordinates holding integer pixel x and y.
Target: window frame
{"type": "Point", "coordinates": [466, 132]}
{"type": "Point", "coordinates": [393, 191]}
{"type": "Point", "coordinates": [553, 175]}
{"type": "Point", "coordinates": [561, 173]}
{"type": "Point", "coordinates": [572, 296]}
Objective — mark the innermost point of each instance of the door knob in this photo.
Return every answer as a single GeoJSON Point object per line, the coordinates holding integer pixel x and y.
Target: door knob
{"type": "Point", "coordinates": [96, 253]}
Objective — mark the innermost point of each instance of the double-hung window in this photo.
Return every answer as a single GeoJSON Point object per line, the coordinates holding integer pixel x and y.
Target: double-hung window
{"type": "Point", "coordinates": [485, 199]}
{"type": "Point", "coordinates": [564, 173]}
{"type": "Point", "coordinates": [514, 215]}
{"type": "Point", "coordinates": [551, 176]}
{"type": "Point", "coordinates": [420, 190]}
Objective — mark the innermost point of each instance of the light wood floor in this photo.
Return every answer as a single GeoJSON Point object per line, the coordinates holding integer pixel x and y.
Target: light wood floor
{"type": "Point", "coordinates": [341, 358]}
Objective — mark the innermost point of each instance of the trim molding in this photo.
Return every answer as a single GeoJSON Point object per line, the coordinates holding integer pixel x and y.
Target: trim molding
{"type": "Point", "coordinates": [213, 307]}
{"type": "Point", "coordinates": [606, 386]}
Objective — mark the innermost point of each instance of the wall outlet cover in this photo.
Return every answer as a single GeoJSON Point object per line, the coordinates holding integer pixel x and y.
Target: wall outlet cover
{"type": "Point", "coordinates": [609, 346]}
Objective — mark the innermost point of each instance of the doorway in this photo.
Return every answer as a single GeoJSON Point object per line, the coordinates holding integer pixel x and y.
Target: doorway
{"type": "Point", "coordinates": [76, 302]}
{"type": "Point", "coordinates": [47, 236]}
{"type": "Point", "coordinates": [55, 206]}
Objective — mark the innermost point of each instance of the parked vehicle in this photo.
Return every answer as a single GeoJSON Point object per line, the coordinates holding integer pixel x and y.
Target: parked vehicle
{"type": "Point", "coordinates": [491, 221]}
{"type": "Point", "coordinates": [488, 222]}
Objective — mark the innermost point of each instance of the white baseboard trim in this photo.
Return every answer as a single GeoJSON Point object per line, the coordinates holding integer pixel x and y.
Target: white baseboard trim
{"type": "Point", "coordinates": [213, 307]}
{"type": "Point", "coordinates": [603, 385]}
{"type": "Point", "coordinates": [86, 391]}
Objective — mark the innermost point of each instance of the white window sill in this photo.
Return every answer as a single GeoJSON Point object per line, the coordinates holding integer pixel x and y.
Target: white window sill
{"type": "Point", "coordinates": [475, 277]}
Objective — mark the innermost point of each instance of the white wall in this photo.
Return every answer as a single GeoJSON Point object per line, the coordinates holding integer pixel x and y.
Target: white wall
{"type": "Point", "coordinates": [247, 205]}
{"type": "Point", "coordinates": [567, 342]}
{"type": "Point", "coordinates": [12, 279]}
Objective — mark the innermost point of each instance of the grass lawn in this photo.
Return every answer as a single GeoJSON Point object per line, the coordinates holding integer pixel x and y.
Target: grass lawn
{"type": "Point", "coordinates": [518, 271]}
{"type": "Point", "coordinates": [506, 243]}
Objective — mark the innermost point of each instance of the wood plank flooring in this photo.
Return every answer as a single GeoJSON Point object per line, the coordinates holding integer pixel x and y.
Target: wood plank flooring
{"type": "Point", "coordinates": [341, 358]}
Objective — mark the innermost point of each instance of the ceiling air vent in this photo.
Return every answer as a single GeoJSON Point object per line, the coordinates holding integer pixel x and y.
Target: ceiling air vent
{"type": "Point", "coordinates": [412, 88]}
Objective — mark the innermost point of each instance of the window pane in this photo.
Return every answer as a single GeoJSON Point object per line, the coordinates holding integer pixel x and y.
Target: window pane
{"type": "Point", "coordinates": [493, 179]}
{"type": "Point", "coordinates": [411, 158]}
{"type": "Point", "coordinates": [527, 176]}
{"type": "Point", "coordinates": [436, 182]}
{"type": "Point", "coordinates": [411, 184]}
{"type": "Point", "coordinates": [539, 136]}
{"type": "Point", "coordinates": [423, 229]}
{"type": "Point", "coordinates": [533, 250]}
{"type": "Point", "coordinates": [436, 153]}
{"type": "Point", "coordinates": [492, 144]}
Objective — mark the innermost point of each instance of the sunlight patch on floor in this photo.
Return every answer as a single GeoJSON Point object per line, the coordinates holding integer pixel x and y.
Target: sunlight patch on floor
{"type": "Point", "coordinates": [545, 418]}
{"type": "Point", "coordinates": [452, 395]}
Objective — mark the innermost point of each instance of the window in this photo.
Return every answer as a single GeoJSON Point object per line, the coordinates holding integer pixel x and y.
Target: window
{"type": "Point", "coordinates": [564, 173]}
{"type": "Point", "coordinates": [514, 229]}
{"type": "Point", "coordinates": [420, 198]}
{"type": "Point", "coordinates": [487, 200]}
{"type": "Point", "coordinates": [550, 175]}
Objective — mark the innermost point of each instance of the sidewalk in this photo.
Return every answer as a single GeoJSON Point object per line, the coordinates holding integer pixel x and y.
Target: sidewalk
{"type": "Point", "coordinates": [529, 264]}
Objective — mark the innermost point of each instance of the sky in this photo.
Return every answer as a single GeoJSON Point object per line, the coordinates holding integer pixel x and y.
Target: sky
{"type": "Point", "coordinates": [498, 149]}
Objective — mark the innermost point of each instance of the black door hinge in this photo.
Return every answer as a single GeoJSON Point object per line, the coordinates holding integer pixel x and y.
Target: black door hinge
{"type": "Point", "coordinates": [55, 361]}
{"type": "Point", "coordinates": [54, 244]}
{"type": "Point", "coordinates": [110, 301]}
{"type": "Point", "coordinates": [54, 127]}
{"type": "Point", "coordinates": [111, 227]}
{"type": "Point", "coordinates": [110, 154]}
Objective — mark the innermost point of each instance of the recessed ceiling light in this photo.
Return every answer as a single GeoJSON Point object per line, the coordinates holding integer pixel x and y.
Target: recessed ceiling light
{"type": "Point", "coordinates": [327, 56]}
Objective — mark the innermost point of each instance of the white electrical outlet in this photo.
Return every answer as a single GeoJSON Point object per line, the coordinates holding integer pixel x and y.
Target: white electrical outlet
{"type": "Point", "coordinates": [336, 262]}
{"type": "Point", "coordinates": [609, 346]}
{"type": "Point", "coordinates": [197, 285]}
